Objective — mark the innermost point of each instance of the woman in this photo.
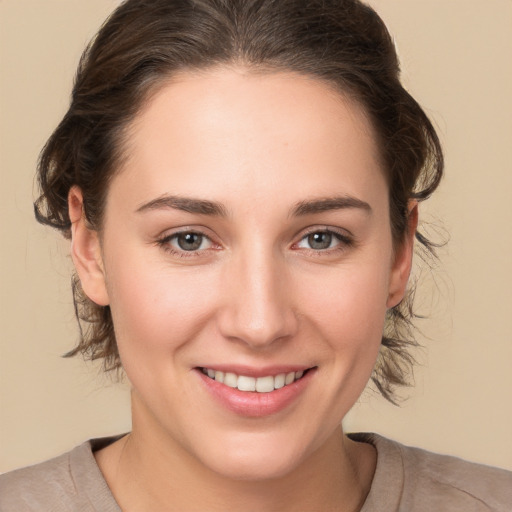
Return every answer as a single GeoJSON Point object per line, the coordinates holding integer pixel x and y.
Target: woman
{"type": "Point", "coordinates": [240, 181]}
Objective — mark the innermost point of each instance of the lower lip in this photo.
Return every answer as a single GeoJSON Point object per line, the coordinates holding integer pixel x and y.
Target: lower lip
{"type": "Point", "coordinates": [252, 403]}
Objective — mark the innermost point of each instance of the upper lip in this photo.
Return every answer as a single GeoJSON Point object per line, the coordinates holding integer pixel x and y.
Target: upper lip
{"type": "Point", "coordinates": [253, 371]}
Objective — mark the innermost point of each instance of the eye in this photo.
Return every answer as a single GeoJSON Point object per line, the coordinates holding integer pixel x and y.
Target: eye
{"type": "Point", "coordinates": [190, 241]}
{"type": "Point", "coordinates": [186, 241]}
{"type": "Point", "coordinates": [323, 240]}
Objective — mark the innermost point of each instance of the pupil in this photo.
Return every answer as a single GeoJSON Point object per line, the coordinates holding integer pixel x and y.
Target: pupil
{"type": "Point", "coordinates": [320, 240]}
{"type": "Point", "coordinates": [190, 241]}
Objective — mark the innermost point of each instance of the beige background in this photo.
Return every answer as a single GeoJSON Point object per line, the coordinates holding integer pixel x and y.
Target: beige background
{"type": "Point", "coordinates": [456, 57]}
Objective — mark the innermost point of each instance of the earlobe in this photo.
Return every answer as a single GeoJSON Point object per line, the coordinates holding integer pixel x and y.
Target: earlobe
{"type": "Point", "coordinates": [403, 260]}
{"type": "Point", "coordinates": [86, 251]}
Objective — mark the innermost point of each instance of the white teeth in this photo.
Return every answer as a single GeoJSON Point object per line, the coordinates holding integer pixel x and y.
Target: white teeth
{"type": "Point", "coordinates": [246, 383]}
{"type": "Point", "coordinates": [231, 380]}
{"type": "Point", "coordinates": [261, 384]}
{"type": "Point", "coordinates": [290, 377]}
{"type": "Point", "coordinates": [279, 380]}
{"type": "Point", "coordinates": [265, 384]}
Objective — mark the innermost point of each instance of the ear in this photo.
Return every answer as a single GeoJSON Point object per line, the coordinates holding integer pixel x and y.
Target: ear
{"type": "Point", "coordinates": [86, 251]}
{"type": "Point", "coordinates": [402, 262]}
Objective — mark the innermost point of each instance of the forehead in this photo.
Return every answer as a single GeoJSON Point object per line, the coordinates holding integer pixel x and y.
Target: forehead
{"type": "Point", "coordinates": [238, 130]}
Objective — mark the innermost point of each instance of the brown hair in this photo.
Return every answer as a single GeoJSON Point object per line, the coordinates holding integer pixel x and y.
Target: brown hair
{"type": "Point", "coordinates": [144, 42]}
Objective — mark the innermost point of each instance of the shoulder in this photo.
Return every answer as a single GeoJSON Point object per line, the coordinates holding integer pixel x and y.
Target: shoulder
{"type": "Point", "coordinates": [460, 480]}
{"type": "Point", "coordinates": [71, 481]}
{"type": "Point", "coordinates": [37, 486]}
{"type": "Point", "coordinates": [423, 480]}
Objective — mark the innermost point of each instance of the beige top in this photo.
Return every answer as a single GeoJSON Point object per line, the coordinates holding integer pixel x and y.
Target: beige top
{"type": "Point", "coordinates": [406, 480]}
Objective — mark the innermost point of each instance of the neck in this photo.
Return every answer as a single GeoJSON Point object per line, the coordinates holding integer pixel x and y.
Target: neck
{"type": "Point", "coordinates": [147, 470]}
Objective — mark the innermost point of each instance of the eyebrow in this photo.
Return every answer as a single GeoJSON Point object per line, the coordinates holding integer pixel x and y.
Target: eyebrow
{"type": "Point", "coordinates": [205, 207]}
{"type": "Point", "coordinates": [185, 204]}
{"type": "Point", "coordinates": [329, 203]}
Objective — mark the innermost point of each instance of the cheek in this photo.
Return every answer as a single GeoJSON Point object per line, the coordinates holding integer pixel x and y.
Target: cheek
{"type": "Point", "coordinates": [154, 309]}
{"type": "Point", "coordinates": [349, 313]}
{"type": "Point", "coordinates": [351, 305]}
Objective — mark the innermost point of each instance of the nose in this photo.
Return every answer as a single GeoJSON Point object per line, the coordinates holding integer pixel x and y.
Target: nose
{"type": "Point", "coordinates": [258, 304]}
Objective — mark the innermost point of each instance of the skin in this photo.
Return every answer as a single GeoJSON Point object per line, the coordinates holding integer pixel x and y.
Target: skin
{"type": "Point", "coordinates": [255, 293]}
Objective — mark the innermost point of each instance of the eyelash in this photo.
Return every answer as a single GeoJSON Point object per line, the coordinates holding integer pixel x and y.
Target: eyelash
{"type": "Point", "coordinates": [165, 244]}
{"type": "Point", "coordinates": [344, 242]}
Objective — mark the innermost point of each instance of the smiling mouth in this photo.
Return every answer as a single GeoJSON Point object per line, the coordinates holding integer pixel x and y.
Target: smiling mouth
{"type": "Point", "coordinates": [265, 384]}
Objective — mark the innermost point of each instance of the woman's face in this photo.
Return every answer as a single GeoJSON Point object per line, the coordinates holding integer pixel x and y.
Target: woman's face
{"type": "Point", "coordinates": [247, 233]}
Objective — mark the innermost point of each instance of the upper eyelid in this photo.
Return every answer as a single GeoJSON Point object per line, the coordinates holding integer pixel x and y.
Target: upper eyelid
{"type": "Point", "coordinates": [341, 232]}
{"type": "Point", "coordinates": [169, 233]}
